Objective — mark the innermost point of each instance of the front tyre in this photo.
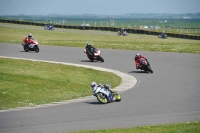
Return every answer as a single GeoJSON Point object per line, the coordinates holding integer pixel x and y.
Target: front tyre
{"type": "Point", "coordinates": [102, 98]}
{"type": "Point", "coordinates": [26, 48]}
{"type": "Point", "coordinates": [90, 57]}
{"type": "Point", "coordinates": [36, 48]}
{"type": "Point", "coordinates": [117, 96]}
{"type": "Point", "coordinates": [149, 69]}
{"type": "Point", "coordinates": [101, 59]}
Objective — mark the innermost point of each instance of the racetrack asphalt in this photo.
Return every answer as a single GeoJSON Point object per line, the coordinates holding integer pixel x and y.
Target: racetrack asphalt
{"type": "Point", "coordinates": [171, 94]}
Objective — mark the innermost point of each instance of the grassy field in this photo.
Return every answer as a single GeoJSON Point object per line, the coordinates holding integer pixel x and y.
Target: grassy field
{"type": "Point", "coordinates": [12, 33]}
{"type": "Point", "coordinates": [28, 83]}
{"type": "Point", "coordinates": [186, 127]}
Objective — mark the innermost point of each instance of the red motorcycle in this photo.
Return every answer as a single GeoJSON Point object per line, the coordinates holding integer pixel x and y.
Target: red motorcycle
{"type": "Point", "coordinates": [145, 65]}
{"type": "Point", "coordinates": [93, 53]}
{"type": "Point", "coordinates": [32, 45]}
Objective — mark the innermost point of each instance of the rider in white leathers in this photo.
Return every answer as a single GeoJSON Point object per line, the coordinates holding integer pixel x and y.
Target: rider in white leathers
{"type": "Point", "coordinates": [95, 86]}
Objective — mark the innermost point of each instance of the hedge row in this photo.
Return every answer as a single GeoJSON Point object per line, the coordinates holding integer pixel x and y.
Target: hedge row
{"type": "Point", "coordinates": [114, 29]}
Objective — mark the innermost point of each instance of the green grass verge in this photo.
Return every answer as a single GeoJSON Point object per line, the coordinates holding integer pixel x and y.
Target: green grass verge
{"type": "Point", "coordinates": [28, 83]}
{"type": "Point", "coordinates": [186, 127]}
{"type": "Point", "coordinates": [13, 33]}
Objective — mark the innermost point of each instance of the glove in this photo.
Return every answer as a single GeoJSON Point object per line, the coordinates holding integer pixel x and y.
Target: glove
{"type": "Point", "coordinates": [137, 67]}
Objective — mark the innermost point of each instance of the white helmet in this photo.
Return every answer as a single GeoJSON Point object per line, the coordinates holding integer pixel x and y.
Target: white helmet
{"type": "Point", "coordinates": [137, 55]}
{"type": "Point", "coordinates": [93, 84]}
{"type": "Point", "coordinates": [30, 35]}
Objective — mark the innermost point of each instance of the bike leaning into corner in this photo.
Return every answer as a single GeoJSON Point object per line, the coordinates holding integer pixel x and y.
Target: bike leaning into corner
{"type": "Point", "coordinates": [104, 94]}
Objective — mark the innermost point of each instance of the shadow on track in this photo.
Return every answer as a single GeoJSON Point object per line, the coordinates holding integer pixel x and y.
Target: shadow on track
{"type": "Point", "coordinates": [28, 51]}
{"type": "Point", "coordinates": [139, 72]}
{"type": "Point", "coordinates": [94, 103]}
{"type": "Point", "coordinates": [91, 61]}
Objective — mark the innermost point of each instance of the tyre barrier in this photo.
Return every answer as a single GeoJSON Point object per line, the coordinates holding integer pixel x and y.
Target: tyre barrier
{"type": "Point", "coordinates": [114, 29]}
{"type": "Point", "coordinates": [58, 26]}
{"type": "Point", "coordinates": [135, 31]}
{"type": "Point", "coordinates": [102, 28]}
{"type": "Point", "coordinates": [129, 30]}
{"type": "Point", "coordinates": [107, 28]}
{"type": "Point", "coordinates": [197, 37]}
{"type": "Point", "coordinates": [138, 31]}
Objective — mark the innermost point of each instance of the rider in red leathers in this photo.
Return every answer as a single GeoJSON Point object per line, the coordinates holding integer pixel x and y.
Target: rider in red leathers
{"type": "Point", "coordinates": [27, 40]}
{"type": "Point", "coordinates": [138, 60]}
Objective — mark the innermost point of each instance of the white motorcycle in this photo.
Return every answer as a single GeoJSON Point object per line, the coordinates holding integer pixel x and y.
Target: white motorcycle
{"type": "Point", "coordinates": [33, 46]}
{"type": "Point", "coordinates": [105, 95]}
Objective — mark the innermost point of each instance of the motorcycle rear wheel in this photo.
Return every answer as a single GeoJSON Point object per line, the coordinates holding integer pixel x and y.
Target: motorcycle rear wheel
{"type": "Point", "coordinates": [102, 98]}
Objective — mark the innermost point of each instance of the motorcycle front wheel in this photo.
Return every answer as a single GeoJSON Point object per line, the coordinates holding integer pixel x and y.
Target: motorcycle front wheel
{"type": "Point", "coordinates": [101, 59]}
{"type": "Point", "coordinates": [26, 48]}
{"type": "Point", "coordinates": [36, 48]}
{"type": "Point", "coordinates": [90, 57]}
{"type": "Point", "coordinates": [117, 96]}
{"type": "Point", "coordinates": [102, 98]}
{"type": "Point", "coordinates": [149, 69]}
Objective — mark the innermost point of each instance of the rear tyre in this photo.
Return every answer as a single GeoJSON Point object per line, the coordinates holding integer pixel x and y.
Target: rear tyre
{"type": "Point", "coordinates": [102, 98]}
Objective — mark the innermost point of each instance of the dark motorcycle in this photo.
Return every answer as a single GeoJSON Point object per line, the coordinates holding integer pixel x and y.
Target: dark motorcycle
{"type": "Point", "coordinates": [49, 27]}
{"type": "Point", "coordinates": [164, 36]}
{"type": "Point", "coordinates": [93, 53]}
{"type": "Point", "coordinates": [145, 65]}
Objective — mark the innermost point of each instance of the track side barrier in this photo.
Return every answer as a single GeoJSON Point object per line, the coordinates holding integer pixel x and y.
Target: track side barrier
{"type": "Point", "coordinates": [113, 29]}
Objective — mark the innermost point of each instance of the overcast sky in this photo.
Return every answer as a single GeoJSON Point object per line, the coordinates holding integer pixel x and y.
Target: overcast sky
{"type": "Point", "coordinates": [109, 7]}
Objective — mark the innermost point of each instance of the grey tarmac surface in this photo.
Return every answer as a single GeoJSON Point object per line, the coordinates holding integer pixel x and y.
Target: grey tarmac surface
{"type": "Point", "coordinates": [171, 94]}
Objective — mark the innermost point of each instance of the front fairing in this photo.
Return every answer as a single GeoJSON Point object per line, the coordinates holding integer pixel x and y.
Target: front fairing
{"type": "Point", "coordinates": [102, 90]}
{"type": "Point", "coordinates": [97, 52]}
